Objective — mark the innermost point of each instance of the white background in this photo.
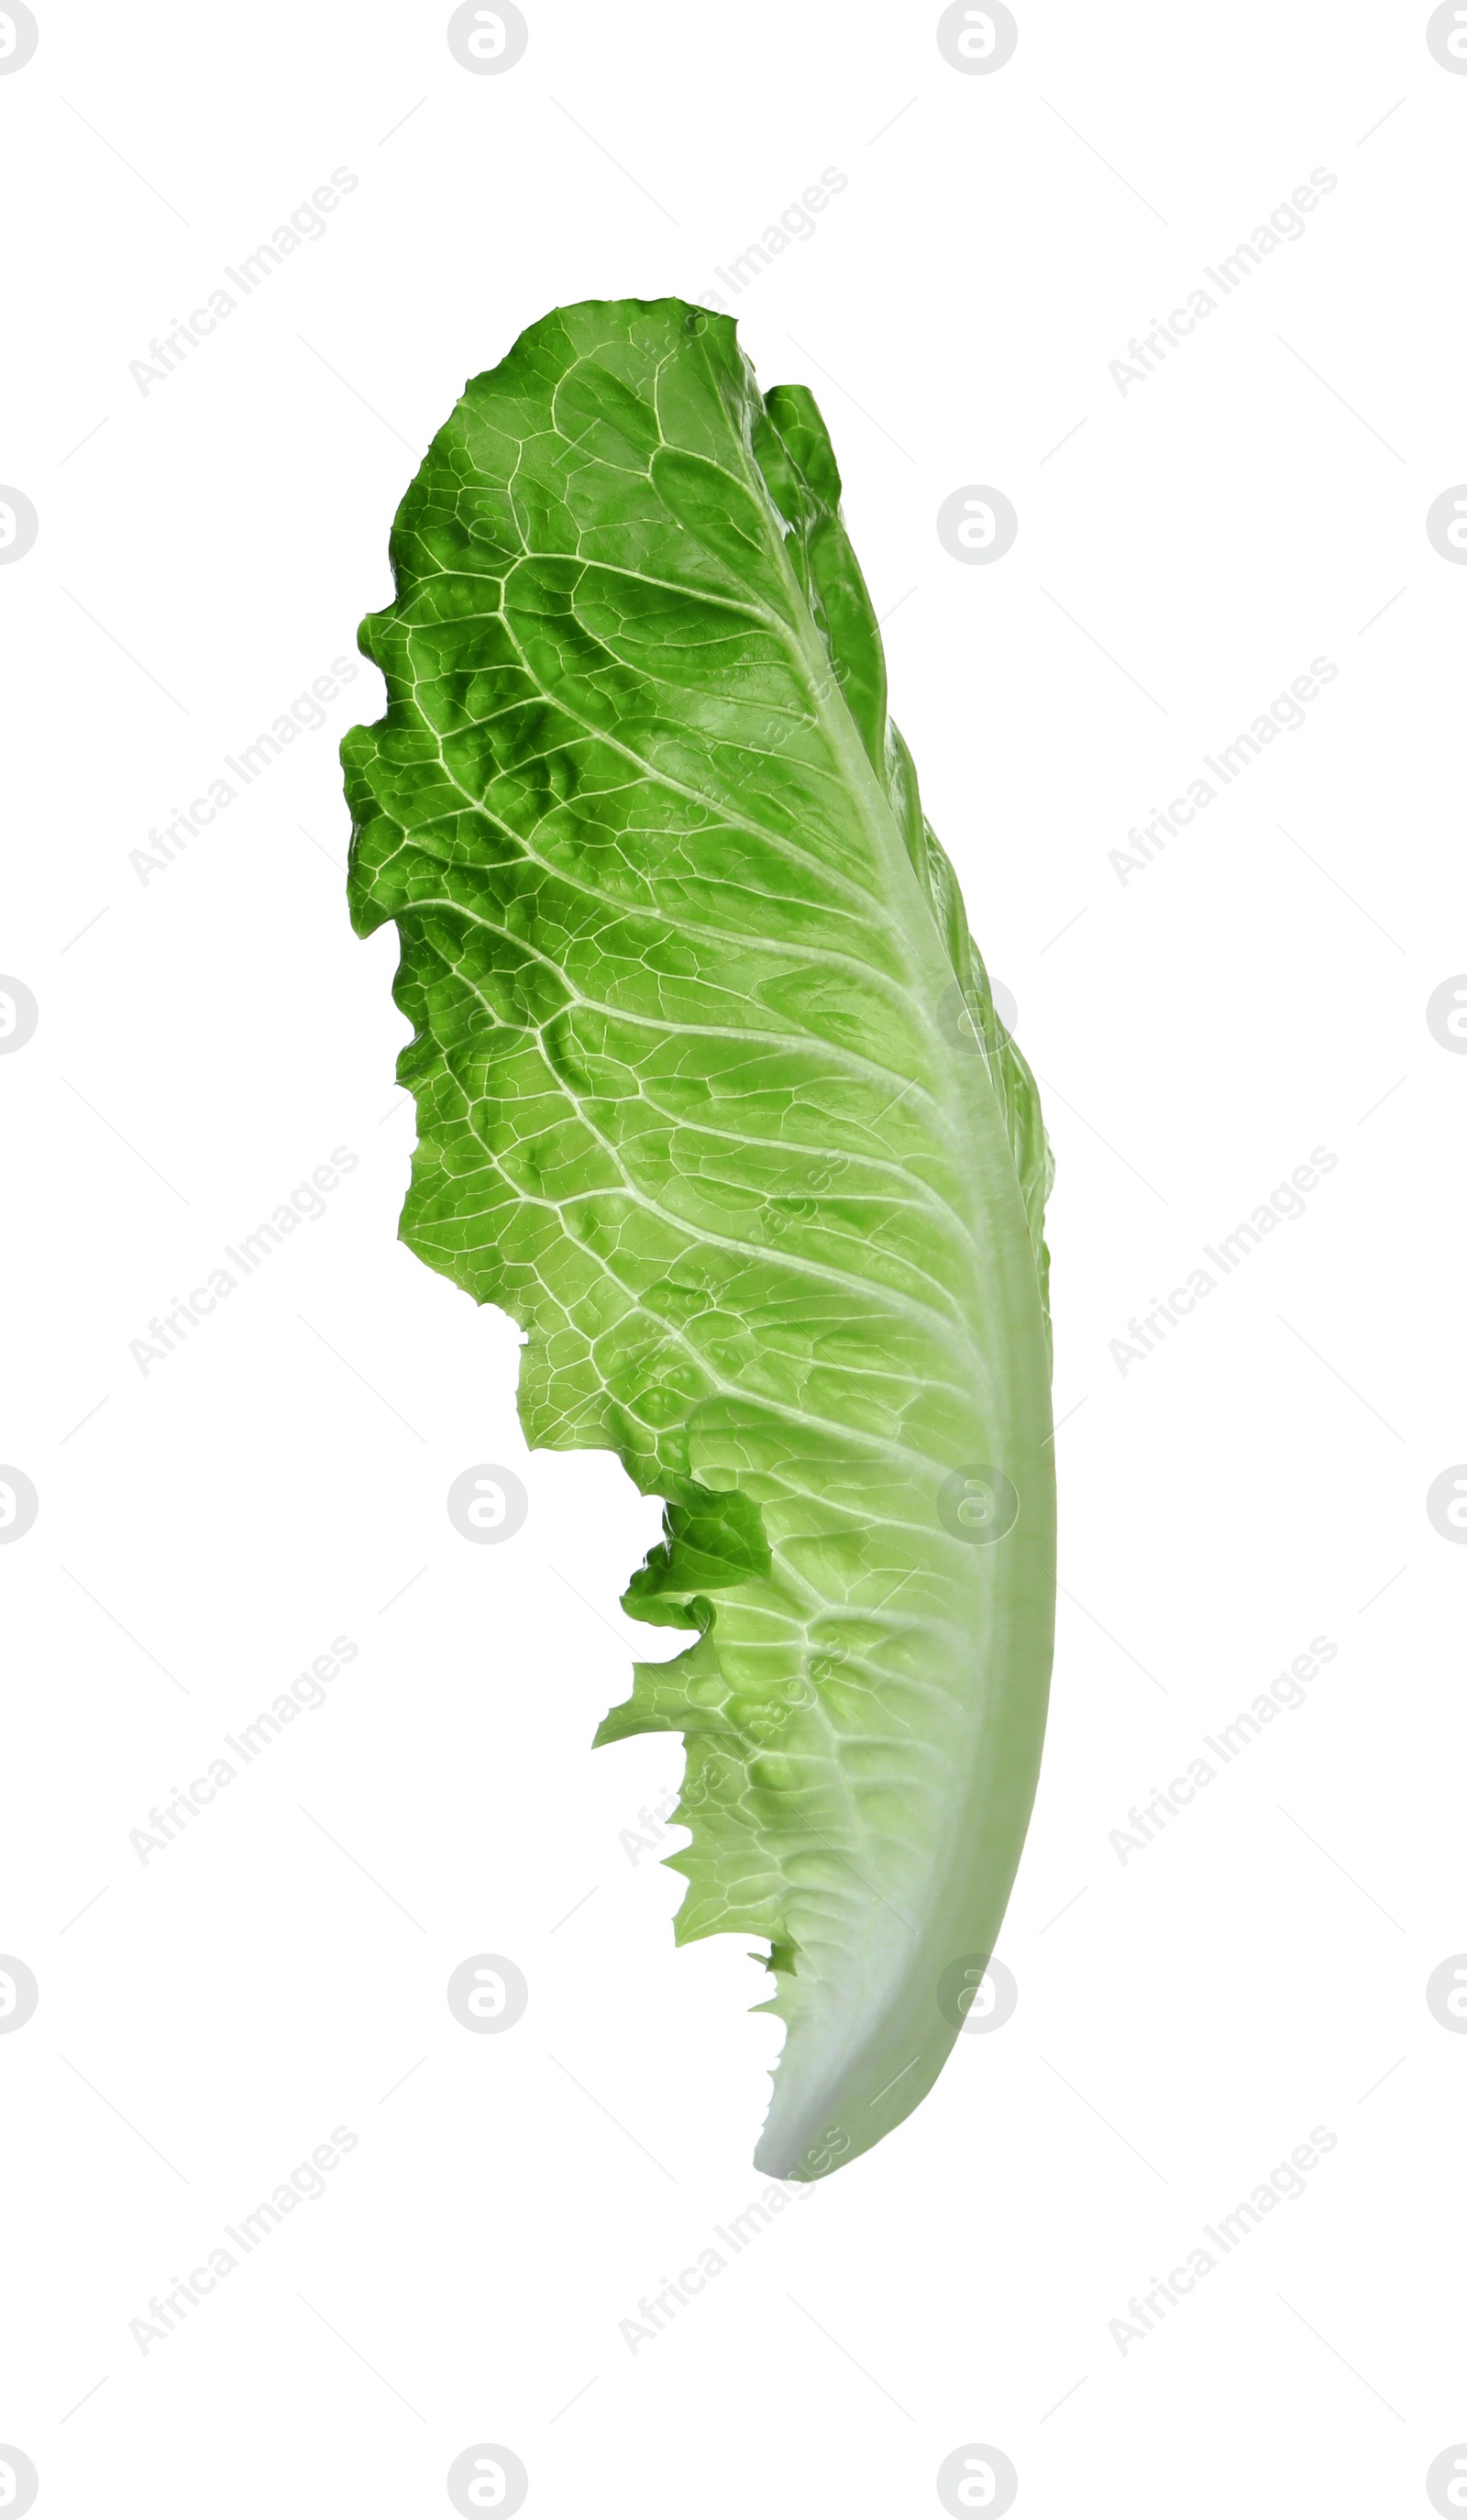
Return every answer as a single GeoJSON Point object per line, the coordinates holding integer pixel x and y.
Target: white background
{"type": "Point", "coordinates": [207, 1037]}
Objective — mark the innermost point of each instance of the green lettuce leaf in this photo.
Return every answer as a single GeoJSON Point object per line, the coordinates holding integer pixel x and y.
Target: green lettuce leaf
{"type": "Point", "coordinates": [713, 1101]}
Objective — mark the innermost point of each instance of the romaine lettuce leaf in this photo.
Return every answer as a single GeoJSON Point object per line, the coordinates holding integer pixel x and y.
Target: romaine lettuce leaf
{"type": "Point", "coordinates": [713, 1101]}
